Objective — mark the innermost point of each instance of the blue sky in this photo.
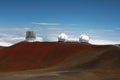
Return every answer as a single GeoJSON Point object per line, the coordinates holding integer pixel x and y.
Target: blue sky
{"type": "Point", "coordinates": [100, 19]}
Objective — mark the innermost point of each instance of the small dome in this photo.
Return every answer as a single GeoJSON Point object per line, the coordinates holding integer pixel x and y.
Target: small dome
{"type": "Point", "coordinates": [83, 38]}
{"type": "Point", "coordinates": [62, 37]}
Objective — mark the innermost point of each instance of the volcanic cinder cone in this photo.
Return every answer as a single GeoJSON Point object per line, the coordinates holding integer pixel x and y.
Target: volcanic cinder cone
{"type": "Point", "coordinates": [61, 56]}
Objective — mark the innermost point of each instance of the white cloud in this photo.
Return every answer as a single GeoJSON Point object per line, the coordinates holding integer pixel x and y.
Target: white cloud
{"type": "Point", "coordinates": [12, 40]}
{"type": "Point", "coordinates": [103, 42]}
{"type": "Point", "coordinates": [39, 39]}
{"type": "Point", "coordinates": [5, 44]}
{"type": "Point", "coordinates": [51, 39]}
{"type": "Point", "coordinates": [45, 24]}
{"type": "Point", "coordinates": [16, 39]}
{"type": "Point", "coordinates": [52, 24]}
{"type": "Point", "coordinates": [101, 30]}
{"type": "Point", "coordinates": [108, 30]}
{"type": "Point", "coordinates": [55, 28]}
{"type": "Point", "coordinates": [8, 41]}
{"type": "Point", "coordinates": [15, 35]}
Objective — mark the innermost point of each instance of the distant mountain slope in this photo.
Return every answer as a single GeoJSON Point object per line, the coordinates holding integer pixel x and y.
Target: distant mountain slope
{"type": "Point", "coordinates": [99, 57]}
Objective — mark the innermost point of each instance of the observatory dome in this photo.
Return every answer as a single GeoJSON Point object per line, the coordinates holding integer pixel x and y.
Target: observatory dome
{"type": "Point", "coordinates": [30, 36]}
{"type": "Point", "coordinates": [83, 38]}
{"type": "Point", "coordinates": [62, 37]}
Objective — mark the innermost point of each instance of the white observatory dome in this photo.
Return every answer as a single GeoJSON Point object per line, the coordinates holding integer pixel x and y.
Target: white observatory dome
{"type": "Point", "coordinates": [62, 37]}
{"type": "Point", "coordinates": [84, 38]}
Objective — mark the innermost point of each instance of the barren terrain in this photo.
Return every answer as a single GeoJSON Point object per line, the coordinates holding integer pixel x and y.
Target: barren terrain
{"type": "Point", "coordinates": [59, 61]}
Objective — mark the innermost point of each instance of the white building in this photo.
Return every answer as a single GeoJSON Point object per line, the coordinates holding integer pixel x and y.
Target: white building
{"type": "Point", "coordinates": [83, 38]}
{"type": "Point", "coordinates": [62, 37]}
{"type": "Point", "coordinates": [30, 36]}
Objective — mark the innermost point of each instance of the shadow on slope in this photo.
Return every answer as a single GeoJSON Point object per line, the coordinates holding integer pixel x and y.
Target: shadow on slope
{"type": "Point", "coordinates": [53, 75]}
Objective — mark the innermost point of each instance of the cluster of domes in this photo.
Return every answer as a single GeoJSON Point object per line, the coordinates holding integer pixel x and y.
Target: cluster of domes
{"type": "Point", "coordinates": [63, 38]}
{"type": "Point", "coordinates": [31, 37]}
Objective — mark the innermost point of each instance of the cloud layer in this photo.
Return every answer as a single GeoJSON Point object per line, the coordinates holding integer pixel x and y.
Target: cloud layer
{"type": "Point", "coordinates": [45, 24]}
{"type": "Point", "coordinates": [9, 36]}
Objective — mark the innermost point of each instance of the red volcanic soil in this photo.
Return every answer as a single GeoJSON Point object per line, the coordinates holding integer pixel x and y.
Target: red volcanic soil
{"type": "Point", "coordinates": [37, 55]}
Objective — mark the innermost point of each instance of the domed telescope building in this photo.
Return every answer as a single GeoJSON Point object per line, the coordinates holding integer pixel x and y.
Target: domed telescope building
{"type": "Point", "coordinates": [30, 36]}
{"type": "Point", "coordinates": [62, 37]}
{"type": "Point", "coordinates": [84, 38]}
